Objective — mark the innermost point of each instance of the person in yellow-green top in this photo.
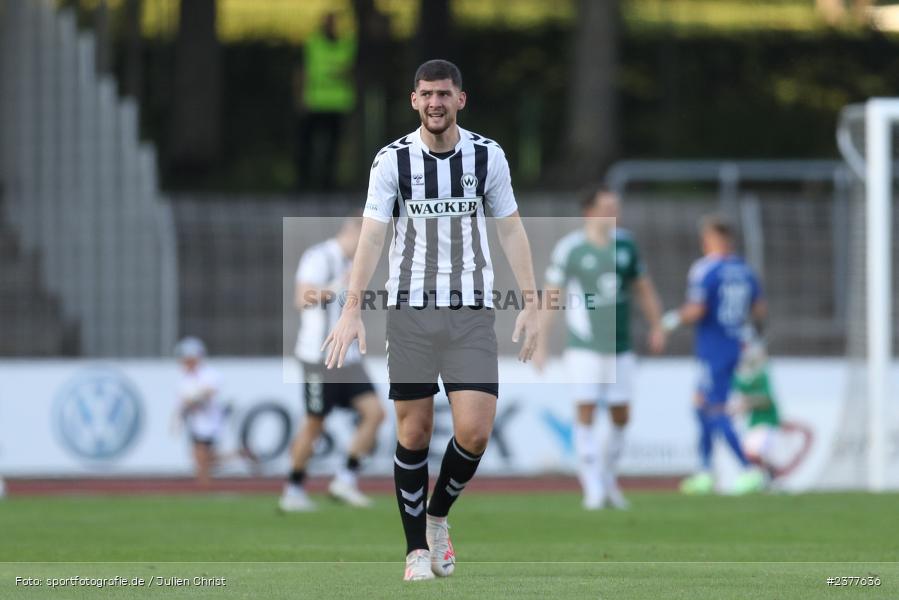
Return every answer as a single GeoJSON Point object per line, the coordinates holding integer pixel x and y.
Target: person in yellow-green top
{"type": "Point", "coordinates": [325, 93]}
{"type": "Point", "coordinates": [766, 443]}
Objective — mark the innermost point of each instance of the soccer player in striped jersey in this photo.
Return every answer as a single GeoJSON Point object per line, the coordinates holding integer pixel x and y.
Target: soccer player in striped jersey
{"type": "Point", "coordinates": [724, 298]}
{"type": "Point", "coordinates": [436, 186]}
{"type": "Point", "coordinates": [600, 262]}
{"type": "Point", "coordinates": [321, 276]}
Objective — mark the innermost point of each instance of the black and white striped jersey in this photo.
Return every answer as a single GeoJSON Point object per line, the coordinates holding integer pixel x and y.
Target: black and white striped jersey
{"type": "Point", "coordinates": [439, 204]}
{"type": "Point", "coordinates": [323, 265]}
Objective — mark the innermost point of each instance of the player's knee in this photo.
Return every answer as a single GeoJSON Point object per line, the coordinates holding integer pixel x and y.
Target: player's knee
{"type": "Point", "coordinates": [585, 413]}
{"type": "Point", "coordinates": [414, 439]}
{"type": "Point", "coordinates": [375, 418]}
{"type": "Point", "coordinates": [313, 425]}
{"type": "Point", "coordinates": [621, 421]}
{"type": "Point", "coordinates": [620, 416]}
{"type": "Point", "coordinates": [415, 420]}
{"type": "Point", "coordinates": [474, 440]}
{"type": "Point", "coordinates": [415, 434]}
{"type": "Point", "coordinates": [374, 413]}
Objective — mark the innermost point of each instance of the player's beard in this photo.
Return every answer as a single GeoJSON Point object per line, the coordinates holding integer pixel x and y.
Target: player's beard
{"type": "Point", "coordinates": [447, 123]}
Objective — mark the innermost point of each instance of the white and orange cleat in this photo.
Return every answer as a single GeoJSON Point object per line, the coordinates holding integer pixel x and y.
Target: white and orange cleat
{"type": "Point", "coordinates": [443, 557]}
{"type": "Point", "coordinates": [418, 566]}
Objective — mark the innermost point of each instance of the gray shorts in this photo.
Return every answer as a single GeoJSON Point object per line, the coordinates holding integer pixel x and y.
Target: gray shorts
{"type": "Point", "coordinates": [457, 344]}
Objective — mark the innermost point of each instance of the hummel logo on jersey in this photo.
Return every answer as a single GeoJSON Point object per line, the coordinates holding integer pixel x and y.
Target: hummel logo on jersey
{"type": "Point", "coordinates": [442, 207]}
{"type": "Point", "coordinates": [418, 179]}
{"type": "Point", "coordinates": [469, 181]}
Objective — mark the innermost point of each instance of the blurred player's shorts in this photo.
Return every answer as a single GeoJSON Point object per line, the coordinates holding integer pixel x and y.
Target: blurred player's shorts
{"type": "Point", "coordinates": [600, 378]}
{"type": "Point", "coordinates": [759, 442]}
{"type": "Point", "coordinates": [715, 379]}
{"type": "Point", "coordinates": [782, 448]}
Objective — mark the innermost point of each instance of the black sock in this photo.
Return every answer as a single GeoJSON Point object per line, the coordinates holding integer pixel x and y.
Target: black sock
{"type": "Point", "coordinates": [297, 476]}
{"type": "Point", "coordinates": [456, 470]}
{"type": "Point", "coordinates": [352, 464]}
{"type": "Point", "coordinates": [410, 476]}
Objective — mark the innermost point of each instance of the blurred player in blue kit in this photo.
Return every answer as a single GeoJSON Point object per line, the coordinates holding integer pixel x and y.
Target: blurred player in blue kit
{"type": "Point", "coordinates": [724, 299]}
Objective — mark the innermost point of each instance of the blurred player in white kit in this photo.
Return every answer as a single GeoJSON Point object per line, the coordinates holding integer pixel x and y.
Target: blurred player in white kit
{"type": "Point", "coordinates": [321, 276]}
{"type": "Point", "coordinates": [201, 408]}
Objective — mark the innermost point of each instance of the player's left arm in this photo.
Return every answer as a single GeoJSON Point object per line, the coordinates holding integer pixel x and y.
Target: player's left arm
{"type": "Point", "coordinates": [651, 306]}
{"type": "Point", "coordinates": [500, 200]}
{"type": "Point", "coordinates": [689, 313]}
{"type": "Point", "coordinates": [311, 287]}
{"type": "Point", "coordinates": [193, 401]}
{"type": "Point", "coordinates": [693, 310]}
{"type": "Point", "coordinates": [514, 240]}
{"type": "Point", "coordinates": [202, 393]}
{"type": "Point", "coordinates": [758, 311]}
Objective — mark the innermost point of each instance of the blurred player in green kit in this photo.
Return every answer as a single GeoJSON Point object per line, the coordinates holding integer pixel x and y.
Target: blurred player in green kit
{"type": "Point", "coordinates": [768, 438]}
{"type": "Point", "coordinates": [602, 273]}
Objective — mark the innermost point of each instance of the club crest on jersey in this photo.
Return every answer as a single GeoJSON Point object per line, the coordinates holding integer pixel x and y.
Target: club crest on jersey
{"type": "Point", "coordinates": [589, 262]}
{"type": "Point", "coordinates": [469, 181]}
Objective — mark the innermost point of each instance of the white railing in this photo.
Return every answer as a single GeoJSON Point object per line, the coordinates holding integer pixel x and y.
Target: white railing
{"type": "Point", "coordinates": [79, 187]}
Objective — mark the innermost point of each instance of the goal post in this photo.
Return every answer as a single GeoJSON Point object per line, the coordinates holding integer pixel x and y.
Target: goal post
{"type": "Point", "coordinates": [868, 140]}
{"type": "Point", "coordinates": [881, 114]}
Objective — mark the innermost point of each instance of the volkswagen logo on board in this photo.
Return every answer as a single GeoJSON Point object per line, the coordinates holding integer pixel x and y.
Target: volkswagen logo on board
{"type": "Point", "coordinates": [98, 414]}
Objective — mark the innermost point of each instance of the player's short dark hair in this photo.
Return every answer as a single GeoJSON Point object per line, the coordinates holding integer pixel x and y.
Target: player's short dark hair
{"type": "Point", "coordinates": [720, 225]}
{"type": "Point", "coordinates": [437, 69]}
{"type": "Point", "coordinates": [590, 194]}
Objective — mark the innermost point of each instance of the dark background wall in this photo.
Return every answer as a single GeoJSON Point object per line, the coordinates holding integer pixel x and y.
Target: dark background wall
{"type": "Point", "coordinates": [739, 96]}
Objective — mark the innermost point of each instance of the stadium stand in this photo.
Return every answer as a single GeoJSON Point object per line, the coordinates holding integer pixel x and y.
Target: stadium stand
{"type": "Point", "coordinates": [36, 325]}
{"type": "Point", "coordinates": [80, 189]}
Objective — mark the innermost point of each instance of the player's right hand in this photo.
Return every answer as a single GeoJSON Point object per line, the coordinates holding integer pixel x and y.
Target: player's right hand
{"type": "Point", "coordinates": [348, 328]}
{"type": "Point", "coordinates": [528, 323]}
{"type": "Point", "coordinates": [657, 339]}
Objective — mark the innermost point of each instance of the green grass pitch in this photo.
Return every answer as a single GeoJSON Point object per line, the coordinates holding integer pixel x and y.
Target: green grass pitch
{"type": "Point", "coordinates": [509, 546]}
